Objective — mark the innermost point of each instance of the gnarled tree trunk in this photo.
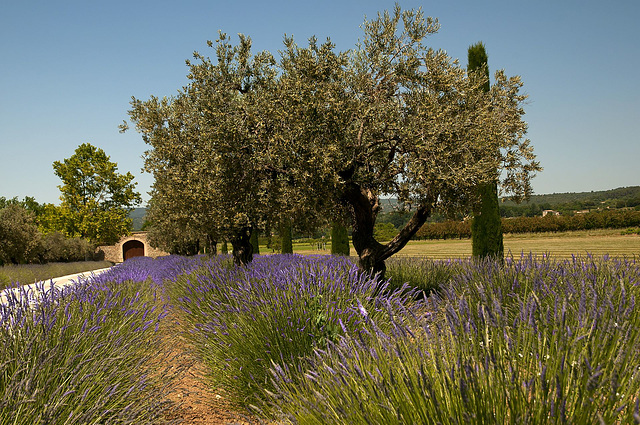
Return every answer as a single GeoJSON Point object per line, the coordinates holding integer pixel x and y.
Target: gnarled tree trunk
{"type": "Point", "coordinates": [242, 248]}
{"type": "Point", "coordinates": [372, 254]}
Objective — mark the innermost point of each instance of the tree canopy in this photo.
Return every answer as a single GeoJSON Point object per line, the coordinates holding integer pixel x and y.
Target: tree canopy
{"type": "Point", "coordinates": [322, 134]}
{"type": "Point", "coordinates": [95, 197]}
{"type": "Point", "coordinates": [18, 233]}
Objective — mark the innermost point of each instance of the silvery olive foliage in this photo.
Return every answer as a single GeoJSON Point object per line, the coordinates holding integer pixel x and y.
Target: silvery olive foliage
{"type": "Point", "coordinates": [322, 133]}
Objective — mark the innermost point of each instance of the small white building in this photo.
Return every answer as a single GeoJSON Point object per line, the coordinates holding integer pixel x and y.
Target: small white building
{"type": "Point", "coordinates": [549, 212]}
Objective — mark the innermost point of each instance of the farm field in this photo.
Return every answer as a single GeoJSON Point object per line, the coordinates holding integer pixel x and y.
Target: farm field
{"type": "Point", "coordinates": [198, 340]}
{"type": "Point", "coordinates": [557, 245]}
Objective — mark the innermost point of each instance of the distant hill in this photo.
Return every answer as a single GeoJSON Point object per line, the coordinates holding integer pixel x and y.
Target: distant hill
{"type": "Point", "coordinates": [138, 215]}
{"type": "Point", "coordinates": [570, 203]}
{"type": "Point", "coordinates": [622, 193]}
{"type": "Point", "coordinates": [565, 203]}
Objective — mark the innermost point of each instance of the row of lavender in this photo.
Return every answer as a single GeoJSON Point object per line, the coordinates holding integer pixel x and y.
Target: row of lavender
{"type": "Point", "coordinates": [87, 354]}
{"type": "Point", "coordinates": [309, 340]}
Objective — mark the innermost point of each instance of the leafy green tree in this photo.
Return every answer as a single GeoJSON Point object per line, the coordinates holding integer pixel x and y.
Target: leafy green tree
{"type": "Point", "coordinates": [384, 231]}
{"type": "Point", "coordinates": [96, 199]}
{"type": "Point", "coordinates": [339, 239]}
{"type": "Point", "coordinates": [399, 219]}
{"type": "Point", "coordinates": [28, 203]}
{"type": "Point", "coordinates": [250, 140]}
{"type": "Point", "coordinates": [21, 241]}
{"type": "Point", "coordinates": [54, 218]}
{"type": "Point", "coordinates": [486, 227]}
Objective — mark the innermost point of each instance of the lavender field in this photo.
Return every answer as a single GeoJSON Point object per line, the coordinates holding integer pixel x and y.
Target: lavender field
{"type": "Point", "coordinates": [309, 340]}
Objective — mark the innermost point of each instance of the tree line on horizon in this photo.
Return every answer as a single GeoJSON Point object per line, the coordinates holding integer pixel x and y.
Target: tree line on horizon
{"type": "Point", "coordinates": [603, 219]}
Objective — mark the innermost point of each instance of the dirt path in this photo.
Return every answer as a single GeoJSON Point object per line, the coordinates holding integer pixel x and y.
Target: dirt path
{"type": "Point", "coordinates": [196, 403]}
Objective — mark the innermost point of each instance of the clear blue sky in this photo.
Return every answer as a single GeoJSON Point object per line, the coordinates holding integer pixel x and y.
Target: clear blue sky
{"type": "Point", "coordinates": [68, 70]}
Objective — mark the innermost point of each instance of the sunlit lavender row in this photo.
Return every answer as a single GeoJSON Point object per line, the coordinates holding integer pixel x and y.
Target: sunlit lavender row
{"type": "Point", "coordinates": [534, 342]}
{"type": "Point", "coordinates": [310, 340]}
{"type": "Point", "coordinates": [88, 353]}
{"type": "Point", "coordinates": [277, 310]}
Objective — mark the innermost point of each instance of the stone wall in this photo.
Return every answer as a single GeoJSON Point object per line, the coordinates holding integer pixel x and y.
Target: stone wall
{"type": "Point", "coordinates": [114, 253]}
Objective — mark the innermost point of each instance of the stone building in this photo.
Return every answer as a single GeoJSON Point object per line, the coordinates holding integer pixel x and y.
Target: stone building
{"type": "Point", "coordinates": [549, 212]}
{"type": "Point", "coordinates": [134, 245]}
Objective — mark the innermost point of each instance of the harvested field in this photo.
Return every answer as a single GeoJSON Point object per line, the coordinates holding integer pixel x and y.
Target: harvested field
{"type": "Point", "coordinates": [558, 245]}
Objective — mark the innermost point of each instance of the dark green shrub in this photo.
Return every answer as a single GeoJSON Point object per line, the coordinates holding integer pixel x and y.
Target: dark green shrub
{"type": "Point", "coordinates": [19, 235]}
{"type": "Point", "coordinates": [339, 240]}
{"type": "Point", "coordinates": [58, 248]}
{"type": "Point", "coordinates": [486, 226]}
{"type": "Point", "coordinates": [254, 241]}
{"type": "Point", "coordinates": [286, 243]}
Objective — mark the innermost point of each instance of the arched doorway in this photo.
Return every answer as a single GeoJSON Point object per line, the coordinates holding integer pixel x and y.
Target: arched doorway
{"type": "Point", "coordinates": [132, 249]}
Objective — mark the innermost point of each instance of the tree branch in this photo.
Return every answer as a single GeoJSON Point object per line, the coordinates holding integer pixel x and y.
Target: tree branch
{"type": "Point", "coordinates": [417, 220]}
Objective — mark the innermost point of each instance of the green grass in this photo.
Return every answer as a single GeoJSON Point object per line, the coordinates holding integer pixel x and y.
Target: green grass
{"type": "Point", "coordinates": [26, 274]}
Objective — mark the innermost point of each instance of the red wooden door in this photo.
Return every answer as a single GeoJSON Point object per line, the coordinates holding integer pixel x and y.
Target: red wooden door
{"type": "Point", "coordinates": [132, 249]}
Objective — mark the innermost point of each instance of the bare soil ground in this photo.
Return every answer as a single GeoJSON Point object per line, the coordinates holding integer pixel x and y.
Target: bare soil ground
{"type": "Point", "coordinates": [195, 402]}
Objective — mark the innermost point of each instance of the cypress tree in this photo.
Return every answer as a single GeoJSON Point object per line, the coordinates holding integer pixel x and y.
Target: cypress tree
{"type": "Point", "coordinates": [339, 239]}
{"type": "Point", "coordinates": [486, 227]}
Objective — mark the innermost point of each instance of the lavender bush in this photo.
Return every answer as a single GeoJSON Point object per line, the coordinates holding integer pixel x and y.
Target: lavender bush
{"type": "Point", "coordinates": [159, 271]}
{"type": "Point", "coordinates": [276, 310]}
{"type": "Point", "coordinates": [423, 275]}
{"type": "Point", "coordinates": [87, 354]}
{"type": "Point", "coordinates": [310, 340]}
{"type": "Point", "coordinates": [532, 342]}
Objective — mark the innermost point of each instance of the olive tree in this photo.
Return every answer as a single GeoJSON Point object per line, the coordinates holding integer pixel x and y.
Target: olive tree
{"type": "Point", "coordinates": [395, 117]}
{"type": "Point", "coordinates": [321, 133]}
{"type": "Point", "coordinates": [210, 149]}
{"type": "Point", "coordinates": [204, 144]}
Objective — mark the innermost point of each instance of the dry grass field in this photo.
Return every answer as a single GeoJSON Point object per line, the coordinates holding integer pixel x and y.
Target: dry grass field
{"type": "Point", "coordinates": [558, 245]}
